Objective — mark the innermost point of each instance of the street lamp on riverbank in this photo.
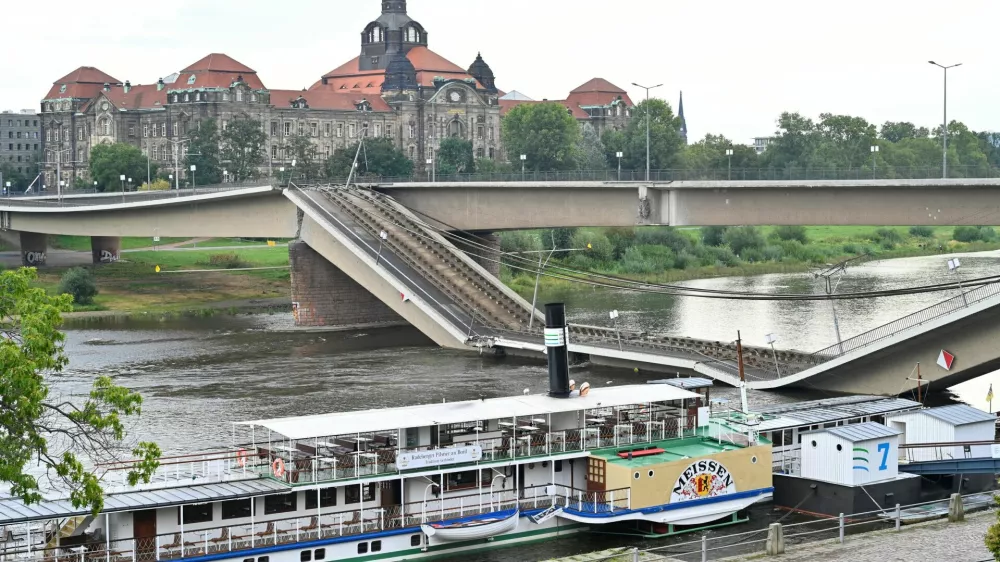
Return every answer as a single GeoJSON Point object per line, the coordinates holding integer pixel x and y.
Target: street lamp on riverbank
{"type": "Point", "coordinates": [647, 88]}
{"type": "Point", "coordinates": [944, 130]}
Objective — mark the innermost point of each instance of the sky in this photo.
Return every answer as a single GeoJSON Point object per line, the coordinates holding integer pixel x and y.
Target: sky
{"type": "Point", "coordinates": [739, 64]}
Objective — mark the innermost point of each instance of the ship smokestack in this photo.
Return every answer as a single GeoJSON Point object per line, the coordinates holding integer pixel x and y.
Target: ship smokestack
{"type": "Point", "coordinates": [556, 340]}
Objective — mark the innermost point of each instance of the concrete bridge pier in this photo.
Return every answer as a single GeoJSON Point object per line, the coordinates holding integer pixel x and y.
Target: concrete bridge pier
{"type": "Point", "coordinates": [105, 249]}
{"type": "Point", "coordinates": [489, 258]}
{"type": "Point", "coordinates": [325, 296]}
{"type": "Point", "coordinates": [34, 246]}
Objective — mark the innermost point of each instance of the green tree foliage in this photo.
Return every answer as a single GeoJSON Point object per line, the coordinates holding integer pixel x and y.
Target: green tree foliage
{"type": "Point", "coordinates": [19, 181]}
{"type": "Point", "coordinates": [713, 235]}
{"type": "Point", "coordinates": [665, 144]}
{"type": "Point", "coordinates": [896, 131]}
{"type": "Point", "coordinates": [790, 232]}
{"type": "Point", "coordinates": [710, 154]}
{"type": "Point", "coordinates": [742, 238]}
{"type": "Point", "coordinates": [544, 132]}
{"type": "Point", "coordinates": [308, 164]}
{"type": "Point", "coordinates": [922, 231]}
{"type": "Point", "coordinates": [243, 144]}
{"type": "Point", "coordinates": [974, 234]}
{"type": "Point", "coordinates": [455, 156]}
{"type": "Point", "coordinates": [203, 153]}
{"type": "Point", "coordinates": [80, 284]}
{"type": "Point", "coordinates": [380, 157]}
{"type": "Point", "coordinates": [53, 433]}
{"type": "Point", "coordinates": [590, 152]}
{"type": "Point", "coordinates": [108, 162]}
{"type": "Point", "coordinates": [992, 538]}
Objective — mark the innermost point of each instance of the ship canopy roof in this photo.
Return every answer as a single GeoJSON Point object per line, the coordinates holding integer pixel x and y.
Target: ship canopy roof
{"type": "Point", "coordinates": [345, 423]}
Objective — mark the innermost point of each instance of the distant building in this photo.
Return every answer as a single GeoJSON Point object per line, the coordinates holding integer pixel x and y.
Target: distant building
{"type": "Point", "coordinates": [20, 141]}
{"type": "Point", "coordinates": [397, 88]}
{"type": "Point", "coordinates": [760, 144]}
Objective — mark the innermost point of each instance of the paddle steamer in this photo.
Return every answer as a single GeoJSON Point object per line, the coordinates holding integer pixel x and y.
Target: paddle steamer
{"type": "Point", "coordinates": [421, 481]}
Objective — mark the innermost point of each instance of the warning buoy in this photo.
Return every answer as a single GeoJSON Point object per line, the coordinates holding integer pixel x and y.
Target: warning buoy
{"type": "Point", "coordinates": [278, 467]}
{"type": "Point", "coordinates": [241, 458]}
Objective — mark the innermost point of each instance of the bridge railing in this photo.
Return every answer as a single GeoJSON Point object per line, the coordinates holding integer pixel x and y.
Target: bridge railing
{"type": "Point", "coordinates": [968, 297]}
{"type": "Point", "coordinates": [688, 174]}
{"type": "Point", "coordinates": [90, 197]}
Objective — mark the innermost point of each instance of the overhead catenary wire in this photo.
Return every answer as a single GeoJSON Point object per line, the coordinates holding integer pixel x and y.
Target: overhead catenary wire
{"type": "Point", "coordinates": [614, 282]}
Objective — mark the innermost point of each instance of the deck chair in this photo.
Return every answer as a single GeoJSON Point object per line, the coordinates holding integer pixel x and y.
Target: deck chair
{"type": "Point", "coordinates": [218, 541]}
{"type": "Point", "coordinates": [267, 532]}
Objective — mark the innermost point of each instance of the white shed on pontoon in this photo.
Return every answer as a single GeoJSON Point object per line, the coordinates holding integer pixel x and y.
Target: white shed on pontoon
{"type": "Point", "coordinates": [851, 455]}
{"type": "Point", "coordinates": [956, 423]}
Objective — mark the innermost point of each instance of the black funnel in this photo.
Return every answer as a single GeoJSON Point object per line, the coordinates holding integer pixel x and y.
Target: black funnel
{"type": "Point", "coordinates": [556, 340]}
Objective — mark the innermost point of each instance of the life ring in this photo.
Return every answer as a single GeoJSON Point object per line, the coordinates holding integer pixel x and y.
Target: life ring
{"type": "Point", "coordinates": [241, 458]}
{"type": "Point", "coordinates": [278, 467]}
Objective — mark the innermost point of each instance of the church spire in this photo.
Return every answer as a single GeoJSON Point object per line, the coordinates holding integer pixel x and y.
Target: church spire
{"type": "Point", "coordinates": [393, 6]}
{"type": "Point", "coordinates": [680, 115]}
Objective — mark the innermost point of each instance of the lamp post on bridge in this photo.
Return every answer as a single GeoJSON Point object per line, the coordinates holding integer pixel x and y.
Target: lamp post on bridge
{"type": "Point", "coordinates": [729, 154]}
{"type": "Point", "coordinates": [122, 178]}
{"type": "Point", "coordinates": [524, 158]}
{"type": "Point", "coordinates": [770, 339]}
{"type": "Point", "coordinates": [194, 186]}
{"type": "Point", "coordinates": [619, 154]}
{"type": "Point", "coordinates": [874, 149]}
{"type": "Point", "coordinates": [953, 265]}
{"type": "Point", "coordinates": [614, 317]}
{"type": "Point", "coordinates": [944, 129]}
{"type": "Point", "coordinates": [647, 88]}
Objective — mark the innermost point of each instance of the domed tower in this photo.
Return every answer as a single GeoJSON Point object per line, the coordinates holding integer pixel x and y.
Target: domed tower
{"type": "Point", "coordinates": [399, 73]}
{"type": "Point", "coordinates": [393, 26]}
{"type": "Point", "coordinates": [483, 73]}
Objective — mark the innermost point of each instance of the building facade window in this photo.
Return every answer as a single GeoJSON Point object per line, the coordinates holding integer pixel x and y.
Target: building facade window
{"type": "Point", "coordinates": [326, 129]}
{"type": "Point", "coordinates": [274, 128]}
{"type": "Point", "coordinates": [163, 129]}
{"type": "Point", "coordinates": [145, 130]}
{"type": "Point", "coordinates": [378, 129]}
{"type": "Point", "coordinates": [314, 129]}
{"type": "Point", "coordinates": [288, 129]}
{"type": "Point", "coordinates": [351, 130]}
{"type": "Point", "coordinates": [340, 130]}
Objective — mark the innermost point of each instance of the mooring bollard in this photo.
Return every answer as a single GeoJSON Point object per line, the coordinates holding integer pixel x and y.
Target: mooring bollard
{"type": "Point", "coordinates": [841, 518]}
{"type": "Point", "coordinates": [775, 543]}
{"type": "Point", "coordinates": [704, 548]}
{"type": "Point", "coordinates": [635, 554]}
{"type": "Point", "coordinates": [956, 511]}
{"type": "Point", "coordinates": [898, 517]}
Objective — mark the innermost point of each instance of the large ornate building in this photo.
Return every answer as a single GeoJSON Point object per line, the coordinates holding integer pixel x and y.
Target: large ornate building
{"type": "Point", "coordinates": [396, 88]}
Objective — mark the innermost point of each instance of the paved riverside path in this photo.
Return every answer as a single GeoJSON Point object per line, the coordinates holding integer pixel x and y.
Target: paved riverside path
{"type": "Point", "coordinates": [925, 542]}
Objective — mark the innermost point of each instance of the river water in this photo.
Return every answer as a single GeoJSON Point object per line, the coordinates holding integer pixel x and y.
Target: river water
{"type": "Point", "coordinates": [197, 375]}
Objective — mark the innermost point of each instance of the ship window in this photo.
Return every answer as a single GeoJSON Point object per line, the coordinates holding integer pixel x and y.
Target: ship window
{"type": "Point", "coordinates": [840, 447]}
{"type": "Point", "coordinates": [813, 443]}
{"type": "Point", "coordinates": [319, 554]}
{"type": "Point", "coordinates": [327, 498]}
{"type": "Point", "coordinates": [351, 494]}
{"type": "Point", "coordinates": [281, 503]}
{"type": "Point", "coordinates": [236, 509]}
{"type": "Point", "coordinates": [263, 559]}
{"type": "Point", "coordinates": [558, 467]}
{"type": "Point", "coordinates": [461, 480]}
{"type": "Point", "coordinates": [196, 513]}
{"type": "Point", "coordinates": [636, 475]}
{"type": "Point", "coordinates": [362, 548]}
{"type": "Point", "coordinates": [248, 560]}
{"type": "Point", "coordinates": [753, 460]}
{"type": "Point", "coordinates": [376, 546]}
{"type": "Point", "coordinates": [414, 540]}
{"type": "Point", "coordinates": [650, 473]}
{"type": "Point", "coordinates": [305, 556]}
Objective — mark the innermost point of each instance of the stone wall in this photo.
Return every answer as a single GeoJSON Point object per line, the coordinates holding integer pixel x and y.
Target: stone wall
{"type": "Point", "coordinates": [323, 295]}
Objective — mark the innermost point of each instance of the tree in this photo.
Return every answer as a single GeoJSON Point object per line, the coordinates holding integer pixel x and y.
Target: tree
{"type": "Point", "coordinates": [308, 165]}
{"type": "Point", "coordinates": [79, 284]}
{"type": "Point", "coordinates": [590, 152]}
{"type": "Point", "coordinates": [455, 157]}
{"type": "Point", "coordinates": [203, 152]}
{"type": "Point", "coordinates": [243, 144]}
{"type": "Point", "coordinates": [57, 434]}
{"type": "Point", "coordinates": [665, 140]}
{"type": "Point", "coordinates": [18, 180]}
{"type": "Point", "coordinates": [710, 154]}
{"type": "Point", "coordinates": [544, 132]}
{"type": "Point", "coordinates": [108, 162]}
{"type": "Point", "coordinates": [895, 131]}
{"type": "Point", "coordinates": [378, 157]}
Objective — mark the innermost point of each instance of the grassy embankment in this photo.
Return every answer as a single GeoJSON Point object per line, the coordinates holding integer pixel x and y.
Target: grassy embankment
{"type": "Point", "coordinates": [133, 285]}
{"type": "Point", "coordinates": [663, 255]}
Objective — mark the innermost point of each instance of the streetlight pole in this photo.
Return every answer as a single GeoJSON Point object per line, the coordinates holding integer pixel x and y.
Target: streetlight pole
{"type": "Point", "coordinates": [619, 155]}
{"type": "Point", "coordinates": [122, 178]}
{"type": "Point", "coordinates": [874, 149]}
{"type": "Point", "coordinates": [953, 265]}
{"type": "Point", "coordinates": [771, 338]}
{"type": "Point", "coordinates": [647, 121]}
{"type": "Point", "coordinates": [524, 158]}
{"type": "Point", "coordinates": [729, 154]}
{"type": "Point", "coordinates": [193, 185]}
{"type": "Point", "coordinates": [944, 132]}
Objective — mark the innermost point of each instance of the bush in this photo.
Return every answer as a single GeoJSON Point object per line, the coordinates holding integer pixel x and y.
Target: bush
{"type": "Point", "coordinates": [922, 231]}
{"type": "Point", "coordinates": [157, 185]}
{"type": "Point", "coordinates": [712, 235]}
{"type": "Point", "coordinates": [974, 233]}
{"type": "Point", "coordinates": [600, 249]}
{"type": "Point", "coordinates": [520, 241]}
{"type": "Point", "coordinates": [721, 256]}
{"type": "Point", "coordinates": [646, 259]}
{"type": "Point", "coordinates": [621, 240]}
{"type": "Point", "coordinates": [888, 238]}
{"type": "Point", "coordinates": [741, 238]}
{"type": "Point", "coordinates": [230, 260]}
{"type": "Point", "coordinates": [792, 233]}
{"type": "Point", "coordinates": [663, 236]}
{"type": "Point", "coordinates": [79, 283]}
{"type": "Point", "coordinates": [773, 253]}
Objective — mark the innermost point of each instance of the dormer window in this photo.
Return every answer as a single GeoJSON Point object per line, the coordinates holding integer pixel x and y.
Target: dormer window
{"type": "Point", "coordinates": [62, 89]}
{"type": "Point", "coordinates": [374, 61]}
{"type": "Point", "coordinates": [187, 97]}
{"type": "Point", "coordinates": [191, 79]}
{"type": "Point", "coordinates": [239, 94]}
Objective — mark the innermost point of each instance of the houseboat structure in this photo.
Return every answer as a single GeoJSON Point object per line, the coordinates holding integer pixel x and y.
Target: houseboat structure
{"type": "Point", "coordinates": [421, 481]}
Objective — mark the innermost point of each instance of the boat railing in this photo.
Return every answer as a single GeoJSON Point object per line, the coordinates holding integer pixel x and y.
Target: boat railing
{"type": "Point", "coordinates": [787, 460]}
{"type": "Point", "coordinates": [275, 532]}
{"type": "Point", "coordinates": [182, 470]}
{"type": "Point", "coordinates": [297, 467]}
{"type": "Point", "coordinates": [593, 502]}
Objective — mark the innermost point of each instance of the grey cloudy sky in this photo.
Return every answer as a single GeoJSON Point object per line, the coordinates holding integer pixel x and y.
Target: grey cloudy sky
{"type": "Point", "coordinates": [740, 64]}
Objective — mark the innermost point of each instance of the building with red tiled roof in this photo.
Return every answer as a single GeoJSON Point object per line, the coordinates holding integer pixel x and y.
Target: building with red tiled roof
{"type": "Point", "coordinates": [397, 87]}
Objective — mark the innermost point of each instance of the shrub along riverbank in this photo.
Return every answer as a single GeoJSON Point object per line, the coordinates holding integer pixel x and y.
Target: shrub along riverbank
{"type": "Point", "coordinates": [665, 254]}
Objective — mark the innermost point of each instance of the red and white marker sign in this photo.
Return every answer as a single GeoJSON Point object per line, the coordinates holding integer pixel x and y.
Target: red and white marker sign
{"type": "Point", "coordinates": [946, 360]}
{"type": "Point", "coordinates": [404, 296]}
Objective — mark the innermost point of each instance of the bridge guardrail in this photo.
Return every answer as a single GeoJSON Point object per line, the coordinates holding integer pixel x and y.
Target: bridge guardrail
{"type": "Point", "coordinates": [111, 197]}
{"type": "Point", "coordinates": [686, 174]}
{"type": "Point", "coordinates": [932, 312]}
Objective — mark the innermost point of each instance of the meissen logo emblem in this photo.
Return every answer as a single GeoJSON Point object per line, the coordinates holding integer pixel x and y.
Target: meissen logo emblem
{"type": "Point", "coordinates": [705, 478]}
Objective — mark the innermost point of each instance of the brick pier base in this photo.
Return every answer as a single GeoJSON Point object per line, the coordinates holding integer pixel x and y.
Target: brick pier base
{"type": "Point", "coordinates": [489, 260]}
{"type": "Point", "coordinates": [323, 295]}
